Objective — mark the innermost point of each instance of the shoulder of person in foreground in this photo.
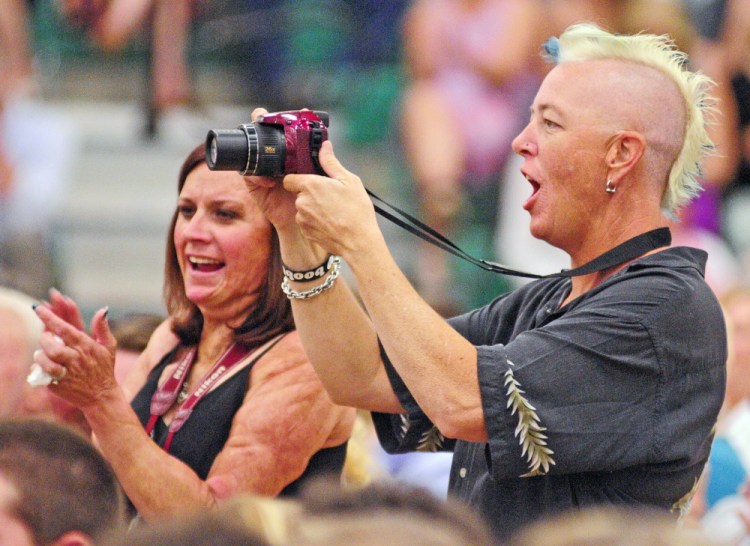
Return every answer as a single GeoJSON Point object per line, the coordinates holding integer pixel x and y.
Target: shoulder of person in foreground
{"type": "Point", "coordinates": [286, 375]}
{"type": "Point", "coordinates": [285, 418]}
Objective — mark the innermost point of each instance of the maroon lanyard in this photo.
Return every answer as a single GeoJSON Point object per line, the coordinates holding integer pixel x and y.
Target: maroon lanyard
{"type": "Point", "coordinates": [164, 397]}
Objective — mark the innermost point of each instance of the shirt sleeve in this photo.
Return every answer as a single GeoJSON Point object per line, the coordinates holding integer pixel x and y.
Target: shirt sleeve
{"type": "Point", "coordinates": [410, 431]}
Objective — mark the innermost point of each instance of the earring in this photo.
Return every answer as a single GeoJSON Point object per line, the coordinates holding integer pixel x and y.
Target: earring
{"type": "Point", "coordinates": [609, 188]}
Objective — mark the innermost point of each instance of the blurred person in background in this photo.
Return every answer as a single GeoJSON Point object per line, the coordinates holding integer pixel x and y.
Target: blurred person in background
{"type": "Point", "coordinates": [112, 24]}
{"type": "Point", "coordinates": [728, 521]}
{"type": "Point", "coordinates": [609, 527]}
{"type": "Point", "coordinates": [390, 513]}
{"type": "Point", "coordinates": [697, 27]}
{"type": "Point", "coordinates": [203, 528]}
{"type": "Point", "coordinates": [21, 331]}
{"type": "Point", "coordinates": [37, 147]}
{"type": "Point", "coordinates": [132, 332]}
{"type": "Point", "coordinates": [20, 338]}
{"type": "Point", "coordinates": [728, 466]}
{"type": "Point", "coordinates": [12, 531]}
{"type": "Point", "coordinates": [16, 58]}
{"type": "Point", "coordinates": [63, 491]}
{"type": "Point", "coordinates": [735, 37]}
{"type": "Point", "coordinates": [223, 400]}
{"type": "Point", "coordinates": [470, 84]}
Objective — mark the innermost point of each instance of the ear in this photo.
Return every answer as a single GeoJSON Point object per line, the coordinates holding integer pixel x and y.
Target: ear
{"type": "Point", "coordinates": [624, 152]}
{"type": "Point", "coordinates": [74, 538]}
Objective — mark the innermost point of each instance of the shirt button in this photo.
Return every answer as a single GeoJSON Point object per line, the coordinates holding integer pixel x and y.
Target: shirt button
{"type": "Point", "coordinates": [462, 472]}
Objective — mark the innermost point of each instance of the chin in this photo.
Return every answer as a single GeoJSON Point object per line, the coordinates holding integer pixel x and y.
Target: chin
{"type": "Point", "coordinates": [538, 229]}
{"type": "Point", "coordinates": [198, 296]}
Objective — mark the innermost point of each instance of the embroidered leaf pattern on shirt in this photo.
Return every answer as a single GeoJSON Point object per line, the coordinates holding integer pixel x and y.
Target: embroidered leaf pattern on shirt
{"type": "Point", "coordinates": [405, 425]}
{"type": "Point", "coordinates": [430, 440]}
{"type": "Point", "coordinates": [529, 431]}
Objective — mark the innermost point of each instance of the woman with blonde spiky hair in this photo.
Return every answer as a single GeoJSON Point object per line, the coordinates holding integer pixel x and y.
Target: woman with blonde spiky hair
{"type": "Point", "coordinates": [597, 385]}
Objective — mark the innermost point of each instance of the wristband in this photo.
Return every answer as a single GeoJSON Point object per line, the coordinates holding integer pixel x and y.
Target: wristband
{"type": "Point", "coordinates": [311, 274]}
{"type": "Point", "coordinates": [307, 294]}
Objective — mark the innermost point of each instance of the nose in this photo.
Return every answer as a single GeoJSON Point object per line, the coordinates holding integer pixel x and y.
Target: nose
{"type": "Point", "coordinates": [524, 144]}
{"type": "Point", "coordinates": [196, 228]}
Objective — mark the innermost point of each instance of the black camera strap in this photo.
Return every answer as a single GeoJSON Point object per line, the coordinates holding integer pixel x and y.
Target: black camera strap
{"type": "Point", "coordinates": [629, 250]}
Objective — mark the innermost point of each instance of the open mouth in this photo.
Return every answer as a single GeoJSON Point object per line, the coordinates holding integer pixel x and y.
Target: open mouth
{"type": "Point", "coordinates": [204, 265]}
{"type": "Point", "coordinates": [534, 184]}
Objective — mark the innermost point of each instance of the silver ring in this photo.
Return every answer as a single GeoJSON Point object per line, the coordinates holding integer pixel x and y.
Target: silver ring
{"type": "Point", "coordinates": [56, 380]}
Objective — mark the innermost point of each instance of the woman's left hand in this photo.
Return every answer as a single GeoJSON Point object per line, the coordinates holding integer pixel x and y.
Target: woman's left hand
{"type": "Point", "coordinates": [82, 365]}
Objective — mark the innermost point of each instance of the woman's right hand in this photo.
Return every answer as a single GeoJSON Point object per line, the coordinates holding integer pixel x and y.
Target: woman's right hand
{"type": "Point", "coordinates": [83, 364]}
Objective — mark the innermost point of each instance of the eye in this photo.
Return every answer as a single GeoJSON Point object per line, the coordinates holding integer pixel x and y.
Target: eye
{"type": "Point", "coordinates": [186, 211]}
{"type": "Point", "coordinates": [550, 124]}
{"type": "Point", "coordinates": [226, 214]}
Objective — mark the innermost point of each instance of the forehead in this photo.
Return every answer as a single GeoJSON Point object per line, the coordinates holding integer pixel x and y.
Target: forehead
{"type": "Point", "coordinates": [575, 86]}
{"type": "Point", "coordinates": [610, 88]}
{"type": "Point", "coordinates": [203, 183]}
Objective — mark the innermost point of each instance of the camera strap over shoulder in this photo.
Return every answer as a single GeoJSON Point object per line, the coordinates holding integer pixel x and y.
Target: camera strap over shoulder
{"type": "Point", "coordinates": [625, 252]}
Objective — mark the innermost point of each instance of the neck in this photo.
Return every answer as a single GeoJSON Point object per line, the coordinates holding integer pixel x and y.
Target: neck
{"type": "Point", "coordinates": [583, 283]}
{"type": "Point", "coordinates": [215, 339]}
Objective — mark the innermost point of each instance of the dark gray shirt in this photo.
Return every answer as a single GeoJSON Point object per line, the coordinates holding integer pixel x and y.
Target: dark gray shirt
{"type": "Point", "coordinates": [610, 399]}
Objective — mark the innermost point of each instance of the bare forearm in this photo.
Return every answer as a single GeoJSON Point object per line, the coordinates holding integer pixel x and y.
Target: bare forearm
{"type": "Point", "coordinates": [437, 364]}
{"type": "Point", "coordinates": [156, 483]}
{"type": "Point", "coordinates": [338, 337]}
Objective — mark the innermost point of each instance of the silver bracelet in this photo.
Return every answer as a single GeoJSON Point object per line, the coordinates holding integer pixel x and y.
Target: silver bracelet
{"type": "Point", "coordinates": [307, 294]}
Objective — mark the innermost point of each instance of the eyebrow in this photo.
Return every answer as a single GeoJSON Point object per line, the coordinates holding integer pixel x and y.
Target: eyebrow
{"type": "Point", "coordinates": [212, 202]}
{"type": "Point", "coordinates": [547, 106]}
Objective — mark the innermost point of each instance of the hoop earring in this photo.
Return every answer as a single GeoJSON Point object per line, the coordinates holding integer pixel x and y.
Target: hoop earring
{"type": "Point", "coordinates": [609, 188]}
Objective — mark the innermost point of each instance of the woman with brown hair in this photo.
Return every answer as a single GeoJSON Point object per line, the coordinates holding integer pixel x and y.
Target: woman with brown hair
{"type": "Point", "coordinates": [223, 400]}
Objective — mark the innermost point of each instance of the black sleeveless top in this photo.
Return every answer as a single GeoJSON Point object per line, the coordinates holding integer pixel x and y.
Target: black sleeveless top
{"type": "Point", "coordinates": [204, 434]}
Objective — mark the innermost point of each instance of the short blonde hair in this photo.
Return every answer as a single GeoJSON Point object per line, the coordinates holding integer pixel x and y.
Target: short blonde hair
{"type": "Point", "coordinates": [588, 42]}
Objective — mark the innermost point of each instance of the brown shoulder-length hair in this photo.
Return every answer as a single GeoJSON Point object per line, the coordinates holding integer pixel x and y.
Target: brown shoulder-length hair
{"type": "Point", "coordinates": [269, 315]}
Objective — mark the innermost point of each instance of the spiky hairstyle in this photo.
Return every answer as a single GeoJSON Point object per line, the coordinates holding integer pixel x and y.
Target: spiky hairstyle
{"type": "Point", "coordinates": [588, 42]}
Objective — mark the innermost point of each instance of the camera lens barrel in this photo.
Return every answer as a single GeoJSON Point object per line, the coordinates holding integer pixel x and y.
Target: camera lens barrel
{"type": "Point", "coordinates": [227, 150]}
{"type": "Point", "coordinates": [267, 147]}
{"type": "Point", "coordinates": [253, 149]}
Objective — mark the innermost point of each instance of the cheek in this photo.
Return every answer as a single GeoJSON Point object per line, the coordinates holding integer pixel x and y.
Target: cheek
{"type": "Point", "coordinates": [248, 255]}
{"type": "Point", "coordinates": [179, 241]}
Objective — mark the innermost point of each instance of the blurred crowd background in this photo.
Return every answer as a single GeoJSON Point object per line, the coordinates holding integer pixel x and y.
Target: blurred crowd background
{"type": "Point", "coordinates": [100, 100]}
{"type": "Point", "coordinates": [90, 152]}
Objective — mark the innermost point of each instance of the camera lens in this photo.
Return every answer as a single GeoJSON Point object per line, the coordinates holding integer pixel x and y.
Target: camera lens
{"type": "Point", "coordinates": [227, 150]}
{"type": "Point", "coordinates": [213, 153]}
{"type": "Point", "coordinates": [254, 149]}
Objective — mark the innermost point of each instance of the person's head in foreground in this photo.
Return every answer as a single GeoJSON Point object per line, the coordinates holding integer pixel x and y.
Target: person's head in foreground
{"type": "Point", "coordinates": [58, 487]}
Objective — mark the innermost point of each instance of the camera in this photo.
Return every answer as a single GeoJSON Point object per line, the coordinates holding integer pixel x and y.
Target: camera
{"type": "Point", "coordinates": [274, 145]}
